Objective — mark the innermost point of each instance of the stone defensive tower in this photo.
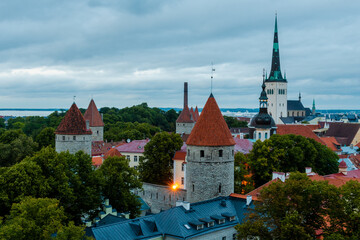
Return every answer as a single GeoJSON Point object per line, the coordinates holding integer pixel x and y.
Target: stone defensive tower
{"type": "Point", "coordinates": [95, 122]}
{"type": "Point", "coordinates": [210, 156]}
{"type": "Point", "coordinates": [276, 84]}
{"type": "Point", "coordinates": [186, 121]}
{"type": "Point", "coordinates": [73, 134]}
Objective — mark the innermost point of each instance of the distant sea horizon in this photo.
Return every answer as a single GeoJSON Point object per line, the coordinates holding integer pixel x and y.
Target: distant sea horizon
{"type": "Point", "coordinates": [236, 112]}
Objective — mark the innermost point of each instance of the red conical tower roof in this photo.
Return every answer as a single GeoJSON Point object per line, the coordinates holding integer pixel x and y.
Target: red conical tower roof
{"type": "Point", "coordinates": [92, 114]}
{"type": "Point", "coordinates": [196, 114]}
{"type": "Point", "coordinates": [211, 128]}
{"type": "Point", "coordinates": [73, 123]}
{"type": "Point", "coordinates": [185, 116]}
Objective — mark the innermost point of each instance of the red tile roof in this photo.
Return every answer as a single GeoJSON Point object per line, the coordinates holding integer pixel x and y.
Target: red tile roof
{"type": "Point", "coordinates": [192, 113]}
{"type": "Point", "coordinates": [179, 156]}
{"type": "Point", "coordinates": [73, 123]}
{"type": "Point", "coordinates": [211, 128]}
{"type": "Point", "coordinates": [185, 116]}
{"type": "Point", "coordinates": [343, 132]}
{"type": "Point", "coordinates": [136, 146]}
{"type": "Point", "coordinates": [342, 164]}
{"type": "Point", "coordinates": [331, 143]}
{"type": "Point", "coordinates": [97, 161]}
{"type": "Point", "coordinates": [101, 147]}
{"type": "Point", "coordinates": [113, 152]}
{"type": "Point", "coordinates": [92, 114]}
{"type": "Point", "coordinates": [298, 129]}
{"type": "Point", "coordinates": [196, 114]}
{"type": "Point", "coordinates": [313, 126]}
{"type": "Point", "coordinates": [355, 159]}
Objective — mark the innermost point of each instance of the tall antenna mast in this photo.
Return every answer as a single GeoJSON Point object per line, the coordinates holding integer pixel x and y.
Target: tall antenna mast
{"type": "Point", "coordinates": [212, 75]}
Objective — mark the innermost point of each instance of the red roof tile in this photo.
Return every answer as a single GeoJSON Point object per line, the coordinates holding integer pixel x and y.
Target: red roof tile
{"type": "Point", "coordinates": [97, 161]}
{"type": "Point", "coordinates": [355, 159]}
{"type": "Point", "coordinates": [185, 116]}
{"type": "Point", "coordinates": [343, 132]}
{"type": "Point", "coordinates": [331, 143]}
{"type": "Point", "coordinates": [113, 152]}
{"type": "Point", "coordinates": [298, 129]}
{"type": "Point", "coordinates": [73, 123]}
{"type": "Point", "coordinates": [342, 164]}
{"type": "Point", "coordinates": [101, 147]}
{"type": "Point", "coordinates": [179, 156]}
{"type": "Point", "coordinates": [243, 145]}
{"type": "Point", "coordinates": [313, 126]}
{"type": "Point", "coordinates": [196, 114]}
{"type": "Point", "coordinates": [92, 114]}
{"type": "Point", "coordinates": [211, 128]}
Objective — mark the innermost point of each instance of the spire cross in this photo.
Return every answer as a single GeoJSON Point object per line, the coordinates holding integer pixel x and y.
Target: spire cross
{"type": "Point", "coordinates": [212, 75]}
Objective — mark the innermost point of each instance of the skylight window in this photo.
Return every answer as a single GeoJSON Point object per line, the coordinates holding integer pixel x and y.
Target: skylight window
{"type": "Point", "coordinates": [187, 226]}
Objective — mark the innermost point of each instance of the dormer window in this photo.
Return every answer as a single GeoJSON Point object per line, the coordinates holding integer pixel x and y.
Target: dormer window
{"type": "Point", "coordinates": [221, 221]}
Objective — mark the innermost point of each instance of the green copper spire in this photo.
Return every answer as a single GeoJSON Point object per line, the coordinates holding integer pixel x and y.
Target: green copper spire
{"type": "Point", "coordinates": [275, 74]}
{"type": "Point", "coordinates": [313, 107]}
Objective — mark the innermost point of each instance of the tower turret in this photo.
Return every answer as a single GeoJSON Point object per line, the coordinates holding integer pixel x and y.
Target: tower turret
{"type": "Point", "coordinates": [210, 156]}
{"type": "Point", "coordinates": [276, 84]}
{"type": "Point", "coordinates": [262, 125]}
{"type": "Point", "coordinates": [185, 121]}
{"type": "Point", "coordinates": [95, 121]}
{"type": "Point", "coordinates": [73, 133]}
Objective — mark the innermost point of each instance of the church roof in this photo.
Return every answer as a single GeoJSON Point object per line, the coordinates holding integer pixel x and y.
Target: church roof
{"type": "Point", "coordinates": [211, 128]}
{"type": "Point", "coordinates": [185, 116]}
{"type": "Point", "coordinates": [298, 129]}
{"type": "Point", "coordinates": [73, 123]}
{"type": "Point", "coordinates": [275, 74]}
{"type": "Point", "coordinates": [295, 105]}
{"type": "Point", "coordinates": [92, 114]}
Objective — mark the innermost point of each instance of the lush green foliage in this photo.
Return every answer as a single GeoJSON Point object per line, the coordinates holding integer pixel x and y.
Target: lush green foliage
{"type": "Point", "coordinates": [117, 181]}
{"type": "Point", "coordinates": [142, 114]}
{"type": "Point", "coordinates": [156, 165]}
{"type": "Point", "coordinates": [46, 137]}
{"type": "Point", "coordinates": [2, 123]}
{"type": "Point", "coordinates": [289, 153]}
{"type": "Point", "coordinates": [297, 208]}
{"type": "Point", "coordinates": [39, 218]}
{"type": "Point", "coordinates": [243, 181]}
{"type": "Point", "coordinates": [15, 146]}
{"type": "Point", "coordinates": [232, 122]}
{"type": "Point", "coordinates": [67, 177]}
{"type": "Point", "coordinates": [127, 130]}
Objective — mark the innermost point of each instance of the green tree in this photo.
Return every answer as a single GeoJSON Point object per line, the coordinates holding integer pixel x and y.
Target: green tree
{"type": "Point", "coordinates": [291, 210]}
{"type": "Point", "coordinates": [118, 181]}
{"type": "Point", "coordinates": [2, 122]}
{"type": "Point", "coordinates": [289, 153]}
{"type": "Point", "coordinates": [156, 165]}
{"type": "Point", "coordinates": [15, 146]}
{"type": "Point", "coordinates": [67, 177]}
{"type": "Point", "coordinates": [38, 218]}
{"type": "Point", "coordinates": [46, 137]}
{"type": "Point", "coordinates": [232, 122]}
{"type": "Point", "coordinates": [242, 177]}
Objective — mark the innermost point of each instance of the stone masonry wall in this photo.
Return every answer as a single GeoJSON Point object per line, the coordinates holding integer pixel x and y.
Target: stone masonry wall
{"type": "Point", "coordinates": [184, 127]}
{"type": "Point", "coordinates": [209, 176]}
{"type": "Point", "coordinates": [97, 133]}
{"type": "Point", "coordinates": [160, 197]}
{"type": "Point", "coordinates": [65, 143]}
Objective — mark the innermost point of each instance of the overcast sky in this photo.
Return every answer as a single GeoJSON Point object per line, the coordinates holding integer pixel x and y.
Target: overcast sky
{"type": "Point", "coordinates": [123, 53]}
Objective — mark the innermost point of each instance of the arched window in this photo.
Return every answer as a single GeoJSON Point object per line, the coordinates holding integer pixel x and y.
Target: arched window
{"type": "Point", "coordinates": [259, 135]}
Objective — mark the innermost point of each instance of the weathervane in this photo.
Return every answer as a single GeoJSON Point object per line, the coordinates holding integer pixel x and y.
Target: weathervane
{"type": "Point", "coordinates": [74, 98]}
{"type": "Point", "coordinates": [212, 75]}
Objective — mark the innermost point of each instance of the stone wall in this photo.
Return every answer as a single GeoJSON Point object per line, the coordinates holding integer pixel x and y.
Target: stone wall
{"type": "Point", "coordinates": [97, 133]}
{"type": "Point", "coordinates": [160, 197]}
{"type": "Point", "coordinates": [209, 176]}
{"type": "Point", "coordinates": [73, 143]}
{"type": "Point", "coordinates": [184, 128]}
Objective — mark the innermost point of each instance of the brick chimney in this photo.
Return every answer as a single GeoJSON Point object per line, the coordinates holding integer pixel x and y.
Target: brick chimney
{"type": "Point", "coordinates": [185, 94]}
{"type": "Point", "coordinates": [343, 167]}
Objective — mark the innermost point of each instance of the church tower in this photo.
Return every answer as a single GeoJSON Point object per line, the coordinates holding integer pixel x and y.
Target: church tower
{"type": "Point", "coordinates": [262, 125]}
{"type": "Point", "coordinates": [276, 84]}
{"type": "Point", "coordinates": [210, 156]}
{"type": "Point", "coordinates": [73, 134]}
{"type": "Point", "coordinates": [95, 122]}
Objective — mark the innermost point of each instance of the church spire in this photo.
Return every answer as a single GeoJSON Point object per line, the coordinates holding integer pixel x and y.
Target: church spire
{"type": "Point", "coordinates": [275, 74]}
{"type": "Point", "coordinates": [263, 97]}
{"type": "Point", "coordinates": [313, 107]}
